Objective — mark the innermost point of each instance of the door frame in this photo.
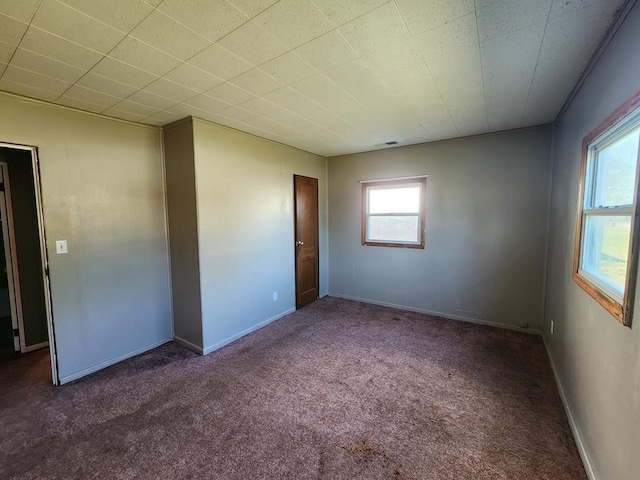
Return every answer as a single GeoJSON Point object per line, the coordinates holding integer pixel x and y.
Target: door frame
{"type": "Point", "coordinates": [13, 275]}
{"type": "Point", "coordinates": [37, 186]}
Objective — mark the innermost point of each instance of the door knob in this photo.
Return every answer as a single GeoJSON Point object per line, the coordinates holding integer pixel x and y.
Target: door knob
{"type": "Point", "coordinates": [299, 243]}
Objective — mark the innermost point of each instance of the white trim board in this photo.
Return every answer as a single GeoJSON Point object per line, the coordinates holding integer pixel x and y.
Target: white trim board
{"type": "Point", "coordinates": [165, 205]}
{"type": "Point", "coordinates": [577, 436]}
{"type": "Point", "coordinates": [35, 346]}
{"type": "Point", "coordinates": [531, 331]}
{"type": "Point", "coordinates": [187, 344]}
{"type": "Point", "coordinates": [249, 330]}
{"type": "Point", "coordinates": [113, 361]}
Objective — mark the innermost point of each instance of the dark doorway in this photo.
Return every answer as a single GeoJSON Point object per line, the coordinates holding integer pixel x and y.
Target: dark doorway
{"type": "Point", "coordinates": [25, 324]}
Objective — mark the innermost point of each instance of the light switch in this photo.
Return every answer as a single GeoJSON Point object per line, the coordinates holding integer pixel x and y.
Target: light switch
{"type": "Point", "coordinates": [61, 247]}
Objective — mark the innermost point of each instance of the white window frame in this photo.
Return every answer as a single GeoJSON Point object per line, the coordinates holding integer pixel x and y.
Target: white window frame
{"type": "Point", "coordinates": [622, 122]}
{"type": "Point", "coordinates": [368, 186]}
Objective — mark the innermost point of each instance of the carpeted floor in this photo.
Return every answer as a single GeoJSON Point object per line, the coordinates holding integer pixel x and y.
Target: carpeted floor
{"type": "Point", "coordinates": [337, 390]}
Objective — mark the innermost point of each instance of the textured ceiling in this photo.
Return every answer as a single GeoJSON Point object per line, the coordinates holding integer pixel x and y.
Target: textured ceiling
{"type": "Point", "coordinates": [327, 76]}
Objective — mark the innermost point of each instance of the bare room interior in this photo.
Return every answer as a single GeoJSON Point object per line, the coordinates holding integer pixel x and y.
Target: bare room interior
{"type": "Point", "coordinates": [319, 239]}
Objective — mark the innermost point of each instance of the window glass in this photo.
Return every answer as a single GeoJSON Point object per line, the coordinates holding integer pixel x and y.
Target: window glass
{"type": "Point", "coordinates": [393, 229]}
{"type": "Point", "coordinates": [605, 256]}
{"type": "Point", "coordinates": [393, 213]}
{"type": "Point", "coordinates": [606, 248]}
{"type": "Point", "coordinates": [616, 171]}
{"type": "Point", "coordinates": [394, 200]}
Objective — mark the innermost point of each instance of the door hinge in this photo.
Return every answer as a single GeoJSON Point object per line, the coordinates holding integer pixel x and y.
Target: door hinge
{"type": "Point", "coordinates": [16, 332]}
{"type": "Point", "coordinates": [1, 187]}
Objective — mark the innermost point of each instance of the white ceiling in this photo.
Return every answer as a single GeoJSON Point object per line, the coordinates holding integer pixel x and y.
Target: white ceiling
{"type": "Point", "coordinates": [327, 76]}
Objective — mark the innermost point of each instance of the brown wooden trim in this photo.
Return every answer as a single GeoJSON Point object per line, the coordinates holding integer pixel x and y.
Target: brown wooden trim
{"type": "Point", "coordinates": [632, 269]}
{"type": "Point", "coordinates": [622, 312]}
{"type": "Point", "coordinates": [627, 107]}
{"type": "Point", "coordinates": [609, 304]}
{"type": "Point", "coordinates": [577, 242]}
{"type": "Point", "coordinates": [422, 214]}
{"type": "Point", "coordinates": [394, 245]}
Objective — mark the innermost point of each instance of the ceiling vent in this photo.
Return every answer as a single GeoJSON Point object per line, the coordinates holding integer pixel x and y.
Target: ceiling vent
{"type": "Point", "coordinates": [391, 143]}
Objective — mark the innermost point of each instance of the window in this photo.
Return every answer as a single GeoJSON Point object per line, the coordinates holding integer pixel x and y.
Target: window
{"type": "Point", "coordinates": [393, 212]}
{"type": "Point", "coordinates": [606, 233]}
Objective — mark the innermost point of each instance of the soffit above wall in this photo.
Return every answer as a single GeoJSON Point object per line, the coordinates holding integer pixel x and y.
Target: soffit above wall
{"type": "Point", "coordinates": [327, 76]}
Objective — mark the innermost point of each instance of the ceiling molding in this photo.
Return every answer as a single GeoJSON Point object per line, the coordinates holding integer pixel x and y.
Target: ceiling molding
{"type": "Point", "coordinates": [26, 99]}
{"type": "Point", "coordinates": [606, 40]}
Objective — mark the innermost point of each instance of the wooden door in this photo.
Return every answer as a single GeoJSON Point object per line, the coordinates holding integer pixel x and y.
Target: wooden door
{"type": "Point", "coordinates": [306, 239]}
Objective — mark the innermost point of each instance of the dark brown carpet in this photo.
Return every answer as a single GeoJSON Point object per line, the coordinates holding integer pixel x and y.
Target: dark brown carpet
{"type": "Point", "coordinates": [337, 390]}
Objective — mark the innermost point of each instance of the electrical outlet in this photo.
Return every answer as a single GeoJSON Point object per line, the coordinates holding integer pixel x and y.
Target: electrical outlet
{"type": "Point", "coordinates": [275, 296]}
{"type": "Point", "coordinates": [552, 327]}
{"type": "Point", "coordinates": [61, 247]}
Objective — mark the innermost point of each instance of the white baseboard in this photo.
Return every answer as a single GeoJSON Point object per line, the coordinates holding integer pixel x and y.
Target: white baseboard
{"type": "Point", "coordinates": [572, 423]}
{"type": "Point", "coordinates": [113, 361]}
{"type": "Point", "coordinates": [449, 316]}
{"type": "Point", "coordinates": [35, 346]}
{"type": "Point", "coordinates": [235, 337]}
{"type": "Point", "coordinates": [187, 344]}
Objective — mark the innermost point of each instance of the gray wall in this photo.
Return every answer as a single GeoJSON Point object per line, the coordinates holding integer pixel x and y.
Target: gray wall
{"type": "Point", "coordinates": [486, 223]}
{"type": "Point", "coordinates": [183, 233]}
{"type": "Point", "coordinates": [103, 191]}
{"type": "Point", "coordinates": [27, 235]}
{"type": "Point", "coordinates": [597, 360]}
{"type": "Point", "coordinates": [245, 217]}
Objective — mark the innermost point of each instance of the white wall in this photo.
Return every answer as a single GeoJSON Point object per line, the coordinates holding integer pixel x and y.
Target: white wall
{"type": "Point", "coordinates": [245, 220]}
{"type": "Point", "coordinates": [486, 223]}
{"type": "Point", "coordinates": [103, 191]}
{"type": "Point", "coordinates": [597, 360]}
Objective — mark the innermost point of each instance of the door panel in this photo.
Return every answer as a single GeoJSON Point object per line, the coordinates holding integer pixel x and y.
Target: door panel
{"type": "Point", "coordinates": [306, 239]}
